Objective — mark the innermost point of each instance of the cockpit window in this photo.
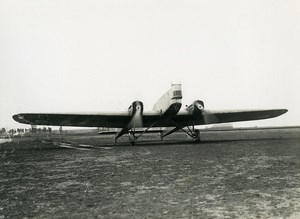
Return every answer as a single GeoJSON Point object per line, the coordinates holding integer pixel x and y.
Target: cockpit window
{"type": "Point", "coordinates": [177, 94]}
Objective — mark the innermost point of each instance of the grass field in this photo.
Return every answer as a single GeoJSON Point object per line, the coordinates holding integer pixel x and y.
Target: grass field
{"type": "Point", "coordinates": [231, 174]}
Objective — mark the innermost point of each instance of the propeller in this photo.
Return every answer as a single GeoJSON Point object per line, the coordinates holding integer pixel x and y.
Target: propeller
{"type": "Point", "coordinates": [136, 121]}
{"type": "Point", "coordinates": [197, 108]}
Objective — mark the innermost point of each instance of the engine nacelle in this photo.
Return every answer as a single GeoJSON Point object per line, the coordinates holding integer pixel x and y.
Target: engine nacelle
{"type": "Point", "coordinates": [196, 107]}
{"type": "Point", "coordinates": [136, 106]}
{"type": "Point", "coordinates": [136, 111]}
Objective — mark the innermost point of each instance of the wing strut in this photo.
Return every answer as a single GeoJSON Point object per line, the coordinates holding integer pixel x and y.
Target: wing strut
{"type": "Point", "coordinates": [131, 133]}
{"type": "Point", "coordinates": [146, 130]}
{"type": "Point", "coordinates": [192, 132]}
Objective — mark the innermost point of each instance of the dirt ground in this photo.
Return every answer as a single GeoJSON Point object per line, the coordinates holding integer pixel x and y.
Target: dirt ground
{"type": "Point", "coordinates": [237, 174]}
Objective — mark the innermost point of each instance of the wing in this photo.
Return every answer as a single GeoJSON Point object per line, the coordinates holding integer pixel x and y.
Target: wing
{"type": "Point", "coordinates": [115, 120]}
{"type": "Point", "coordinates": [121, 119]}
{"type": "Point", "coordinates": [99, 119]}
{"type": "Point", "coordinates": [211, 117]}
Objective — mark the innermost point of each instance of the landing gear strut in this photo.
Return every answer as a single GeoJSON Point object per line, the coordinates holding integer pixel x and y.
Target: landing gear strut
{"type": "Point", "coordinates": [192, 132]}
{"type": "Point", "coordinates": [132, 138]}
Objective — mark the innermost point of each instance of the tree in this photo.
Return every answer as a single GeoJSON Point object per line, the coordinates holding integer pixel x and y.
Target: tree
{"type": "Point", "coordinates": [2, 131]}
{"type": "Point", "coordinates": [12, 131]}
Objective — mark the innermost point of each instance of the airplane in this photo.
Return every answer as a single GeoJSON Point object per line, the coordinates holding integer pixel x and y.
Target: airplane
{"type": "Point", "coordinates": [165, 113]}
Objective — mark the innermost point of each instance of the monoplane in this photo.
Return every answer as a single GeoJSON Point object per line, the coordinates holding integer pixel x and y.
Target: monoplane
{"type": "Point", "coordinates": [135, 121]}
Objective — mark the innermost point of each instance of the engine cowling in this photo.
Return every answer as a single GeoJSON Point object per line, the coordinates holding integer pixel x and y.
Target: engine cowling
{"type": "Point", "coordinates": [136, 111]}
{"type": "Point", "coordinates": [196, 107]}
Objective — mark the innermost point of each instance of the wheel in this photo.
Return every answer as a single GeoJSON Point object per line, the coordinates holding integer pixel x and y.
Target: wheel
{"type": "Point", "coordinates": [131, 139]}
{"type": "Point", "coordinates": [196, 136]}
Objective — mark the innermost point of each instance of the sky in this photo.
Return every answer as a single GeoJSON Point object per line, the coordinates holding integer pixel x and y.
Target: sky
{"type": "Point", "coordinates": [95, 55]}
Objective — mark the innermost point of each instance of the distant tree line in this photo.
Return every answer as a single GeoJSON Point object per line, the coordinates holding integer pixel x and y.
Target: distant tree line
{"type": "Point", "coordinates": [22, 131]}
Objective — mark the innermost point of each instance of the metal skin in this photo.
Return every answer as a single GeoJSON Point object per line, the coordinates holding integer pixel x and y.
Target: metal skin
{"type": "Point", "coordinates": [136, 109]}
{"type": "Point", "coordinates": [170, 103]}
{"type": "Point", "coordinates": [196, 108]}
{"type": "Point", "coordinates": [136, 121]}
{"type": "Point", "coordinates": [166, 113]}
{"type": "Point", "coordinates": [168, 106]}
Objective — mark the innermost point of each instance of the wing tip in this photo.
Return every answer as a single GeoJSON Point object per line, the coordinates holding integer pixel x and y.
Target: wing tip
{"type": "Point", "coordinates": [20, 118]}
{"type": "Point", "coordinates": [278, 112]}
{"type": "Point", "coordinates": [283, 111]}
{"type": "Point", "coordinates": [16, 117]}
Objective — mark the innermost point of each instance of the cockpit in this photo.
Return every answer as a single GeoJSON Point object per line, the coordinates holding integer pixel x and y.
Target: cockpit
{"type": "Point", "coordinates": [177, 93]}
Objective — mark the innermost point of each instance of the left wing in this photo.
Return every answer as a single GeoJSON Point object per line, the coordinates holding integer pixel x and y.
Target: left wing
{"type": "Point", "coordinates": [211, 117]}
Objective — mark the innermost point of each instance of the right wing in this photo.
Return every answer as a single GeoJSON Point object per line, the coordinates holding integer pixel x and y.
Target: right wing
{"type": "Point", "coordinates": [111, 120]}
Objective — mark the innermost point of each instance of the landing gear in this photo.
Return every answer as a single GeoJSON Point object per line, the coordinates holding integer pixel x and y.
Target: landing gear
{"type": "Point", "coordinates": [161, 136]}
{"type": "Point", "coordinates": [191, 131]}
{"type": "Point", "coordinates": [132, 132]}
{"type": "Point", "coordinates": [196, 136]}
{"type": "Point", "coordinates": [132, 138]}
{"type": "Point", "coordinates": [194, 133]}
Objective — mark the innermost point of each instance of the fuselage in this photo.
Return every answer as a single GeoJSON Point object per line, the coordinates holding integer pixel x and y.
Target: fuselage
{"type": "Point", "coordinates": [170, 103]}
